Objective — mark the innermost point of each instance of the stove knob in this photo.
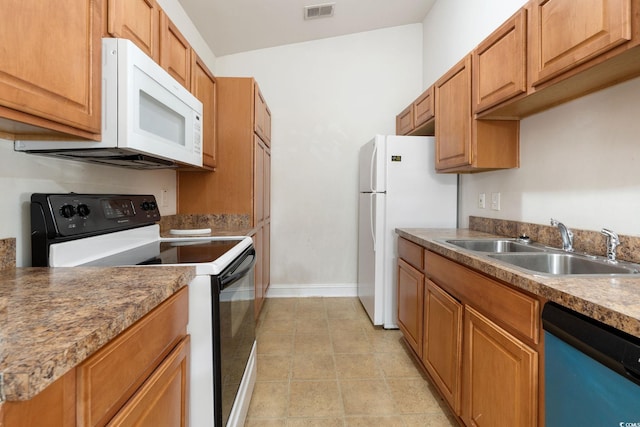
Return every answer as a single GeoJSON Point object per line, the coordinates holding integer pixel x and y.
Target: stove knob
{"type": "Point", "coordinates": [83, 210]}
{"type": "Point", "coordinates": [153, 206]}
{"type": "Point", "coordinates": [145, 206]}
{"type": "Point", "coordinates": [67, 211]}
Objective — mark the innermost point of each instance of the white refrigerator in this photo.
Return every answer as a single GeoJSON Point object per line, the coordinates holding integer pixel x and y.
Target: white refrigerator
{"type": "Point", "coordinates": [399, 188]}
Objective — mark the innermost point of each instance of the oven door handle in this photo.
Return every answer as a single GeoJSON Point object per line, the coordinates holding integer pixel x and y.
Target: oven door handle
{"type": "Point", "coordinates": [228, 279]}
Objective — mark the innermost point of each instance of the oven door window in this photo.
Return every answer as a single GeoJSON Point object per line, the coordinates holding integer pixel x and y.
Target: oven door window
{"type": "Point", "coordinates": [237, 327]}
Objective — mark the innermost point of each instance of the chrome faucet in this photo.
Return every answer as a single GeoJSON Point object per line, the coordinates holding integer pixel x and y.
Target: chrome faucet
{"type": "Point", "coordinates": [567, 235]}
{"type": "Point", "coordinates": [612, 243]}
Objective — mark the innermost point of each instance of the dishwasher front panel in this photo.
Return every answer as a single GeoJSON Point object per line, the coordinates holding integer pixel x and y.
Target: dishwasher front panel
{"type": "Point", "coordinates": [589, 378]}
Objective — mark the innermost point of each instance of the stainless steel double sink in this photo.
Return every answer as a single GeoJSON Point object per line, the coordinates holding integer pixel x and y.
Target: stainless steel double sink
{"type": "Point", "coordinates": [538, 259]}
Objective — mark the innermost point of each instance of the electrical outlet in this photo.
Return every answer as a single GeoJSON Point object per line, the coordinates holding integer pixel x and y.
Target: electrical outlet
{"type": "Point", "coordinates": [481, 201]}
{"type": "Point", "coordinates": [495, 201]}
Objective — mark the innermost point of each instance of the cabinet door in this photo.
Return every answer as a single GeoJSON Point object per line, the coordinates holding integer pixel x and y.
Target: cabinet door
{"type": "Point", "coordinates": [442, 351]}
{"type": "Point", "coordinates": [203, 86]}
{"type": "Point", "coordinates": [500, 376]}
{"type": "Point", "coordinates": [136, 20]}
{"type": "Point", "coordinates": [258, 177]}
{"type": "Point", "coordinates": [267, 184]}
{"type": "Point", "coordinates": [266, 259]}
{"type": "Point", "coordinates": [566, 33]}
{"type": "Point", "coordinates": [410, 304]}
{"type": "Point", "coordinates": [175, 51]}
{"type": "Point", "coordinates": [50, 72]}
{"type": "Point", "coordinates": [423, 108]}
{"type": "Point", "coordinates": [453, 116]}
{"type": "Point", "coordinates": [262, 117]}
{"type": "Point", "coordinates": [404, 121]}
{"type": "Point", "coordinates": [162, 401]}
{"type": "Point", "coordinates": [499, 64]}
{"type": "Point", "coordinates": [259, 273]}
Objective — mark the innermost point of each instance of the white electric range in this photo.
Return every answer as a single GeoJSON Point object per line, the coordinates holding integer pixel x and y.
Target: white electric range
{"type": "Point", "coordinates": [69, 230]}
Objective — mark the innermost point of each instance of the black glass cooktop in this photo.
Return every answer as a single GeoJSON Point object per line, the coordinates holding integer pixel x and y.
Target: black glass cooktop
{"type": "Point", "coordinates": [186, 252]}
{"type": "Point", "coordinates": [171, 252]}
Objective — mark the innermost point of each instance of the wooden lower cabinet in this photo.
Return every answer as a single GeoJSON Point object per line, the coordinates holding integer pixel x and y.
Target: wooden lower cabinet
{"type": "Point", "coordinates": [477, 338]}
{"type": "Point", "coordinates": [55, 406]}
{"type": "Point", "coordinates": [500, 376]}
{"type": "Point", "coordinates": [410, 304]}
{"type": "Point", "coordinates": [139, 378]}
{"type": "Point", "coordinates": [442, 352]}
{"type": "Point", "coordinates": [162, 399]}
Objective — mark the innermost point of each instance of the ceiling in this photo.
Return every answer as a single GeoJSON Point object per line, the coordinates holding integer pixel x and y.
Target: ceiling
{"type": "Point", "coordinates": [232, 26]}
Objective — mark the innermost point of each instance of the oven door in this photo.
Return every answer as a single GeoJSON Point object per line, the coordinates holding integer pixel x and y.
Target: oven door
{"type": "Point", "coordinates": [233, 294]}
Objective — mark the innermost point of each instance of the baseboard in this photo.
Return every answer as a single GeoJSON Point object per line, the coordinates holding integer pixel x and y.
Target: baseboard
{"type": "Point", "coordinates": [312, 290]}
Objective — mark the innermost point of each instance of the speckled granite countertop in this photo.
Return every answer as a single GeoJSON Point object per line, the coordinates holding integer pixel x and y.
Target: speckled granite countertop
{"type": "Point", "coordinates": [51, 319]}
{"type": "Point", "coordinates": [611, 300]}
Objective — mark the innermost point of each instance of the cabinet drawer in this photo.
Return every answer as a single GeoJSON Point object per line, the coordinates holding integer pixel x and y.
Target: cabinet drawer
{"type": "Point", "coordinates": [411, 253]}
{"type": "Point", "coordinates": [161, 401]}
{"type": "Point", "coordinates": [107, 379]}
{"type": "Point", "coordinates": [513, 310]}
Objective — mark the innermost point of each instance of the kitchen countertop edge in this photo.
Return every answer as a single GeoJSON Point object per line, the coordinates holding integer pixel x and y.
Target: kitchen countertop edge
{"type": "Point", "coordinates": [614, 301]}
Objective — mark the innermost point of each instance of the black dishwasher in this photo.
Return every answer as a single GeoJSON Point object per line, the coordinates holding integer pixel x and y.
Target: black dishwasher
{"type": "Point", "coordinates": [592, 372]}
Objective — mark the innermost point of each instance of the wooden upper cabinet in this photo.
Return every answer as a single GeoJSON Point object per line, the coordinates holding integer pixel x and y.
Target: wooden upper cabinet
{"type": "Point", "coordinates": [567, 33]}
{"type": "Point", "coordinates": [203, 86]}
{"type": "Point", "coordinates": [424, 108]}
{"type": "Point", "coordinates": [464, 144]}
{"type": "Point", "coordinates": [404, 121]}
{"type": "Point", "coordinates": [175, 51]}
{"type": "Point", "coordinates": [50, 72]}
{"type": "Point", "coordinates": [135, 20]}
{"type": "Point", "coordinates": [500, 64]}
{"type": "Point", "coordinates": [262, 117]}
{"type": "Point", "coordinates": [417, 118]}
{"type": "Point", "coordinates": [453, 113]}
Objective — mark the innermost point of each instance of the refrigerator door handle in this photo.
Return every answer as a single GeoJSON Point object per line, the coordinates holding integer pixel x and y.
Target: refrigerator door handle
{"type": "Point", "coordinates": [372, 168]}
{"type": "Point", "coordinates": [372, 219]}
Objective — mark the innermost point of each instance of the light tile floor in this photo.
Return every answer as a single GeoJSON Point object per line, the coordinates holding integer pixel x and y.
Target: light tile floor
{"type": "Point", "coordinates": [322, 363]}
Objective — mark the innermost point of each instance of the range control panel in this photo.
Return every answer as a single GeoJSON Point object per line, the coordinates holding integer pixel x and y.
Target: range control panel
{"type": "Point", "coordinates": [65, 215]}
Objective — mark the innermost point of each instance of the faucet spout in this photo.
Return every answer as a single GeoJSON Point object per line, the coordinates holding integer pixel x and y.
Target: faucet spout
{"type": "Point", "coordinates": [612, 243]}
{"type": "Point", "coordinates": [565, 233]}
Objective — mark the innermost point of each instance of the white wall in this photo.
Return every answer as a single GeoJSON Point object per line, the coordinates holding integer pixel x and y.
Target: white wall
{"type": "Point", "coordinates": [578, 161]}
{"type": "Point", "coordinates": [327, 98]}
{"type": "Point", "coordinates": [22, 174]}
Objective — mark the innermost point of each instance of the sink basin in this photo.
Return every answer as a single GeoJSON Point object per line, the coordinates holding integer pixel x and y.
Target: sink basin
{"type": "Point", "coordinates": [495, 245]}
{"type": "Point", "coordinates": [562, 263]}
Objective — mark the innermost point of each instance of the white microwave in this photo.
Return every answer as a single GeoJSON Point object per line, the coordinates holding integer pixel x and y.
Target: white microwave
{"type": "Point", "coordinates": [149, 120]}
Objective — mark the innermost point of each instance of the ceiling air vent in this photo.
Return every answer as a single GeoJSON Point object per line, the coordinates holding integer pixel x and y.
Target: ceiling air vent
{"type": "Point", "coordinates": [318, 11]}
